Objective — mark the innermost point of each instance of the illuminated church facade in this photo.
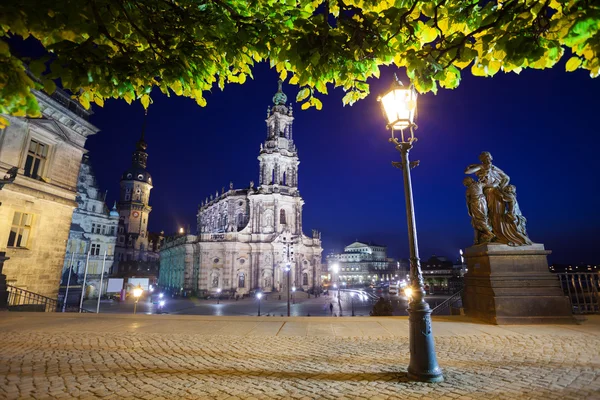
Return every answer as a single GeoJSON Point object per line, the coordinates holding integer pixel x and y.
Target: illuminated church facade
{"type": "Point", "coordinates": [246, 237]}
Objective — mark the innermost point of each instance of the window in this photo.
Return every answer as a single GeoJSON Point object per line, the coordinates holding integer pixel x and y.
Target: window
{"type": "Point", "coordinates": [95, 250]}
{"type": "Point", "coordinates": [36, 159]}
{"type": "Point", "coordinates": [282, 216]}
{"type": "Point", "coordinates": [20, 230]}
{"type": "Point", "coordinates": [112, 231]}
{"type": "Point", "coordinates": [98, 227]}
{"type": "Point", "coordinates": [242, 280]}
{"type": "Point", "coordinates": [305, 279]}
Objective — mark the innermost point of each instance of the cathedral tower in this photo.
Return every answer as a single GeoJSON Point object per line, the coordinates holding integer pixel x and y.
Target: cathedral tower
{"type": "Point", "coordinates": [278, 156]}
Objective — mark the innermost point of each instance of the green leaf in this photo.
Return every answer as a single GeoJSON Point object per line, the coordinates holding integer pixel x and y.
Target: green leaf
{"type": "Point", "coordinates": [302, 94]}
{"type": "Point", "coordinates": [573, 64]}
{"type": "Point", "coordinates": [49, 85]}
{"type": "Point", "coordinates": [37, 67]}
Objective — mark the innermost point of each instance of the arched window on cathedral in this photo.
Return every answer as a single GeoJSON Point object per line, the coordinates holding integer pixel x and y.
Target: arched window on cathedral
{"type": "Point", "coordinates": [282, 217]}
{"type": "Point", "coordinates": [273, 176]}
{"type": "Point", "coordinates": [284, 179]}
{"type": "Point", "coordinates": [305, 279]}
{"type": "Point", "coordinates": [241, 280]}
{"type": "Point", "coordinates": [240, 220]}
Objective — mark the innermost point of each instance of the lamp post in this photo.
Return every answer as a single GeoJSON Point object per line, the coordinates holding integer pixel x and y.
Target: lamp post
{"type": "Point", "coordinates": [293, 291]}
{"type": "Point", "coordinates": [259, 296]}
{"type": "Point", "coordinates": [137, 292]}
{"type": "Point", "coordinates": [399, 105]}
{"type": "Point", "coordinates": [218, 295]}
{"type": "Point", "coordinates": [287, 272]}
{"type": "Point", "coordinates": [352, 300]}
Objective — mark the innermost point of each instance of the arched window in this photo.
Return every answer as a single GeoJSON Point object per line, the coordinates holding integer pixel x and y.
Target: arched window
{"type": "Point", "coordinates": [284, 178]}
{"type": "Point", "coordinates": [240, 220]}
{"type": "Point", "coordinates": [305, 279]}
{"type": "Point", "coordinates": [273, 176]}
{"type": "Point", "coordinates": [241, 280]}
{"type": "Point", "coordinates": [282, 216]}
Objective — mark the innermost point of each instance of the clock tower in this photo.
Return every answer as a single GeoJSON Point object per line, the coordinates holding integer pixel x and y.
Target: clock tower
{"type": "Point", "coordinates": [134, 211]}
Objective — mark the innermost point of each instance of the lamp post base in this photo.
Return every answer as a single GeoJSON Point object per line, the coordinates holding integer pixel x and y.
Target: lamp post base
{"type": "Point", "coordinates": [423, 364]}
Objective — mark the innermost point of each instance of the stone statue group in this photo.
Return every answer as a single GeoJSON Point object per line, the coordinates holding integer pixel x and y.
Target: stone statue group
{"type": "Point", "coordinates": [493, 206]}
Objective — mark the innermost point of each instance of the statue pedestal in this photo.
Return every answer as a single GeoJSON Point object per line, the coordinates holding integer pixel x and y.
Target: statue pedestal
{"type": "Point", "coordinates": [512, 285]}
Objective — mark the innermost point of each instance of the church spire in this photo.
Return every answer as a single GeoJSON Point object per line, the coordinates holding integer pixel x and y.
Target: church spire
{"type": "Point", "coordinates": [140, 156]}
{"type": "Point", "coordinates": [280, 98]}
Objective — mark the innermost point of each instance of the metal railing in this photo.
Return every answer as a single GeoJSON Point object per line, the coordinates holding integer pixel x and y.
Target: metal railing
{"type": "Point", "coordinates": [24, 300]}
{"type": "Point", "coordinates": [582, 290]}
{"type": "Point", "coordinates": [449, 302]}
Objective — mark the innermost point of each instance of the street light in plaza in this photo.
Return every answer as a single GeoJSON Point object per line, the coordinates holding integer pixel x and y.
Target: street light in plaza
{"type": "Point", "coordinates": [259, 296]}
{"type": "Point", "coordinates": [352, 300]}
{"type": "Point", "coordinates": [293, 291]}
{"type": "Point", "coordinates": [137, 292]}
{"type": "Point", "coordinates": [218, 295]}
{"type": "Point", "coordinates": [287, 272]}
{"type": "Point", "coordinates": [399, 106]}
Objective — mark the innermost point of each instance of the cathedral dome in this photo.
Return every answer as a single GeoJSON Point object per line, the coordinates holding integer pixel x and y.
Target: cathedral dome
{"type": "Point", "coordinates": [136, 173]}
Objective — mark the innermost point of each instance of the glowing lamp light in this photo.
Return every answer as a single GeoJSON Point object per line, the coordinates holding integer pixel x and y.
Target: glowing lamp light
{"type": "Point", "coordinates": [294, 289]}
{"type": "Point", "coordinates": [180, 230]}
{"type": "Point", "coordinates": [335, 268]}
{"type": "Point", "coordinates": [160, 296]}
{"type": "Point", "coordinates": [408, 292]}
{"type": "Point", "coordinates": [137, 292]}
{"type": "Point", "coordinates": [399, 105]}
{"type": "Point", "coordinates": [219, 290]}
{"type": "Point", "coordinates": [161, 303]}
{"type": "Point", "coordinates": [259, 295]}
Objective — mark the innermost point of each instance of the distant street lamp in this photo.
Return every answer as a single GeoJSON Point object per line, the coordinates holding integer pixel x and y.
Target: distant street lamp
{"type": "Point", "coordinates": [399, 106]}
{"type": "Point", "coordinates": [137, 292]}
{"type": "Point", "coordinates": [259, 296]}
{"type": "Point", "coordinates": [218, 295]}
{"type": "Point", "coordinates": [293, 291]}
{"type": "Point", "coordinates": [352, 300]}
{"type": "Point", "coordinates": [287, 272]}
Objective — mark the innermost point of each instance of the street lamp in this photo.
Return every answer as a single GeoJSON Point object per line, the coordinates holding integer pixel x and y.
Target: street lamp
{"type": "Point", "coordinates": [399, 106]}
{"type": "Point", "coordinates": [352, 300]}
{"type": "Point", "coordinates": [218, 295]}
{"type": "Point", "coordinates": [137, 292]}
{"type": "Point", "coordinates": [293, 291]}
{"type": "Point", "coordinates": [259, 296]}
{"type": "Point", "coordinates": [287, 271]}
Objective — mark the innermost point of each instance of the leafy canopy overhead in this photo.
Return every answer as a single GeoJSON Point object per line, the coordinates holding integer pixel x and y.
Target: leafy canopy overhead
{"type": "Point", "coordinates": [102, 49]}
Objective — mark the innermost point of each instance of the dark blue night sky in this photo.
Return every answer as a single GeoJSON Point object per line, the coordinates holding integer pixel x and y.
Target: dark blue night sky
{"type": "Point", "coordinates": [540, 126]}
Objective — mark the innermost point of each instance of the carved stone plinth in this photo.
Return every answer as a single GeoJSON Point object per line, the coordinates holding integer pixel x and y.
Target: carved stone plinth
{"type": "Point", "coordinates": [512, 285]}
{"type": "Point", "coordinates": [3, 288]}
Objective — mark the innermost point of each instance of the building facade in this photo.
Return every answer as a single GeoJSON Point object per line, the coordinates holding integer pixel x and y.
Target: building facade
{"type": "Point", "coordinates": [37, 208]}
{"type": "Point", "coordinates": [246, 237]}
{"type": "Point", "coordinates": [362, 263]}
{"type": "Point", "coordinates": [136, 250]}
{"type": "Point", "coordinates": [93, 231]}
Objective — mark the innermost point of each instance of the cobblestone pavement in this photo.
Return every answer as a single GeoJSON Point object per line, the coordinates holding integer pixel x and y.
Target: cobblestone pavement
{"type": "Point", "coordinates": [116, 359]}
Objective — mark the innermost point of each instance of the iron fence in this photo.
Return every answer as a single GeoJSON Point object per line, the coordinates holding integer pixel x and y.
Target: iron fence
{"type": "Point", "coordinates": [24, 300]}
{"type": "Point", "coordinates": [452, 303]}
{"type": "Point", "coordinates": [582, 290]}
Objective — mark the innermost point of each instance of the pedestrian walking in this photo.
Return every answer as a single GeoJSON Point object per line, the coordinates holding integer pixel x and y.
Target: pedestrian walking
{"type": "Point", "coordinates": [331, 308]}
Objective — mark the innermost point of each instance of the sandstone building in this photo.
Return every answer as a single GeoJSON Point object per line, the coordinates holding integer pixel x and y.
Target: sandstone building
{"type": "Point", "coordinates": [36, 209]}
{"type": "Point", "coordinates": [93, 231]}
{"type": "Point", "coordinates": [247, 236]}
{"type": "Point", "coordinates": [362, 263]}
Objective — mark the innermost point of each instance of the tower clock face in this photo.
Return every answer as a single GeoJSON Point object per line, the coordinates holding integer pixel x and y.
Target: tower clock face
{"type": "Point", "coordinates": [135, 214]}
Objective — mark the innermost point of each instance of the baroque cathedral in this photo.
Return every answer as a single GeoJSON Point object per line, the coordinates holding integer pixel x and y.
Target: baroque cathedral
{"type": "Point", "coordinates": [247, 237]}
